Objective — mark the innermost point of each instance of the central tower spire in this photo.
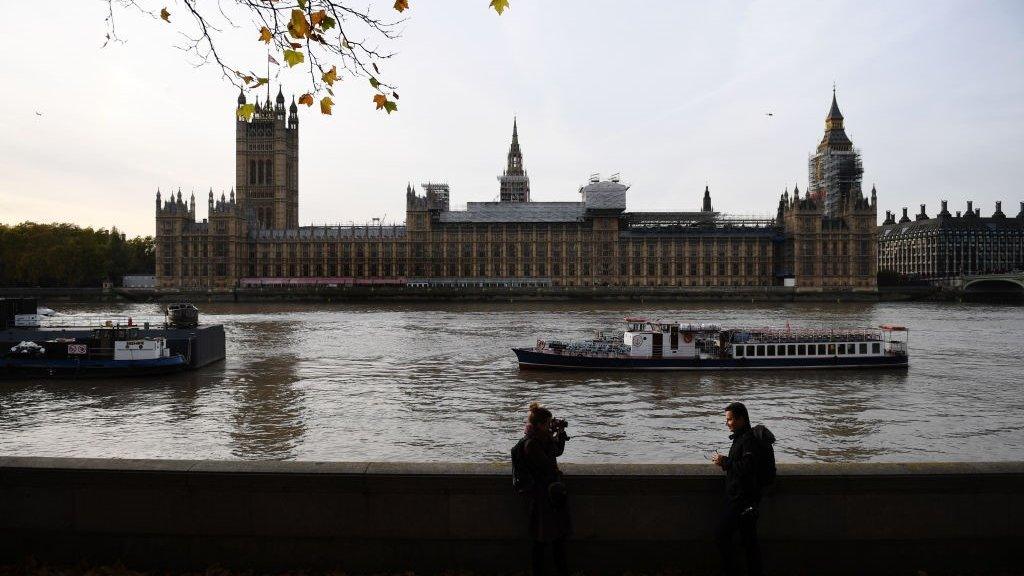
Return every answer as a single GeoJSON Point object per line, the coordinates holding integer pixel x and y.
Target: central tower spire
{"type": "Point", "coordinates": [515, 184]}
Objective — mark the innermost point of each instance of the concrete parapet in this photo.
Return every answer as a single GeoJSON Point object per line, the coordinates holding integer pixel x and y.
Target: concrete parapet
{"type": "Point", "coordinates": [373, 517]}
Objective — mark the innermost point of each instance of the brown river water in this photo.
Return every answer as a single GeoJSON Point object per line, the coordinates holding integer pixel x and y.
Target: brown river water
{"type": "Point", "coordinates": [438, 382]}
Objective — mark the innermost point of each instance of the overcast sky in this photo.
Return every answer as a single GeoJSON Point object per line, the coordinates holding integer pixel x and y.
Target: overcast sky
{"type": "Point", "coordinates": [669, 94]}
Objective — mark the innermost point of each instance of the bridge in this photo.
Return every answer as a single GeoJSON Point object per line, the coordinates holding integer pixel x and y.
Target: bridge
{"type": "Point", "coordinates": [1010, 282]}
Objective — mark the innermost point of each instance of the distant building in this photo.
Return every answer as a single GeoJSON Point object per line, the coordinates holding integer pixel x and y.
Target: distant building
{"type": "Point", "coordinates": [951, 245]}
{"type": "Point", "coordinates": [834, 171]}
{"type": "Point", "coordinates": [252, 237]}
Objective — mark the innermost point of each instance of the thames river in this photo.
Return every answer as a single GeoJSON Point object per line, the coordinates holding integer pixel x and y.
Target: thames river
{"type": "Point", "coordinates": [432, 382]}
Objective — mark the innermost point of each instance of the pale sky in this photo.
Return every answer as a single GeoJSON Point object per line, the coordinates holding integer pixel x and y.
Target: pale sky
{"type": "Point", "coordinates": [668, 94]}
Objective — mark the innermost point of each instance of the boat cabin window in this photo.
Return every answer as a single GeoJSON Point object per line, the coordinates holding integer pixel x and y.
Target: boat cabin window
{"type": "Point", "coordinates": [801, 349]}
{"type": "Point", "coordinates": [863, 348]}
{"type": "Point", "coordinates": [760, 350]}
{"type": "Point", "coordinates": [771, 350]}
{"type": "Point", "coordinates": [821, 349]}
{"type": "Point", "coordinates": [831, 349]}
{"type": "Point", "coordinates": [792, 350]}
{"type": "Point", "coordinates": [782, 349]}
{"type": "Point", "coordinates": [750, 350]}
{"type": "Point", "coordinates": [875, 348]}
{"type": "Point", "coordinates": [842, 348]}
{"type": "Point", "coordinates": [739, 351]}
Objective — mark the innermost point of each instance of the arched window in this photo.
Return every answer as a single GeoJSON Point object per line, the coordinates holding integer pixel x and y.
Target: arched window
{"type": "Point", "coordinates": [270, 172]}
{"type": "Point", "coordinates": [252, 171]}
{"type": "Point", "coordinates": [260, 177]}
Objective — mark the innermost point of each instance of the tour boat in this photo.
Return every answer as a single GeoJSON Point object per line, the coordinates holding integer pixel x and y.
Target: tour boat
{"type": "Point", "coordinates": [657, 345]}
{"type": "Point", "coordinates": [108, 352]}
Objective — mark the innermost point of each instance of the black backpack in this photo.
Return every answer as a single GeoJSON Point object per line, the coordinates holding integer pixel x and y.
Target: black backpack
{"type": "Point", "coordinates": [522, 478]}
{"type": "Point", "coordinates": [765, 470]}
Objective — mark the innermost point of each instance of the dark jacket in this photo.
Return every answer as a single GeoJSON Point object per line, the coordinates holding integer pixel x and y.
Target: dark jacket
{"type": "Point", "coordinates": [741, 468]}
{"type": "Point", "coordinates": [549, 519]}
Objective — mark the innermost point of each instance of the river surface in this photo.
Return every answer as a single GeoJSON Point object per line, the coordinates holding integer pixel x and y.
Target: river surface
{"type": "Point", "coordinates": [436, 382]}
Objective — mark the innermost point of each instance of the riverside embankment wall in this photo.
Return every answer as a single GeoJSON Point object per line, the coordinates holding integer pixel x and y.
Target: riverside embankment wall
{"type": "Point", "coordinates": [375, 517]}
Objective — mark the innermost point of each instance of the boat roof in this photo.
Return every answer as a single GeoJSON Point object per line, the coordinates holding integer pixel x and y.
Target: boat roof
{"type": "Point", "coordinates": [893, 328]}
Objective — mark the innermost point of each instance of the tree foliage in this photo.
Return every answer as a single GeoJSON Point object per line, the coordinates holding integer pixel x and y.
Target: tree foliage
{"type": "Point", "coordinates": [332, 39]}
{"type": "Point", "coordinates": [65, 255]}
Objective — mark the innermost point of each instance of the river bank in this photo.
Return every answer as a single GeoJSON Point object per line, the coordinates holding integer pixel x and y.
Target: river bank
{"type": "Point", "coordinates": [493, 294]}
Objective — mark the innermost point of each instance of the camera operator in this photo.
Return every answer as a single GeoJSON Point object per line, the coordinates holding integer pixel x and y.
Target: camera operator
{"type": "Point", "coordinates": [549, 513]}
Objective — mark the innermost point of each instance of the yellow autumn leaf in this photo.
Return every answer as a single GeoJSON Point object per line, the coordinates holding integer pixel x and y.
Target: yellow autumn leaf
{"type": "Point", "coordinates": [401, 5]}
{"type": "Point", "coordinates": [293, 57]}
{"type": "Point", "coordinates": [306, 99]}
{"type": "Point", "coordinates": [165, 15]}
{"type": "Point", "coordinates": [298, 26]}
{"type": "Point", "coordinates": [499, 5]}
{"type": "Point", "coordinates": [380, 100]}
{"type": "Point", "coordinates": [245, 111]}
{"type": "Point", "coordinates": [317, 17]}
{"type": "Point", "coordinates": [331, 76]}
{"type": "Point", "coordinates": [325, 105]}
{"type": "Point", "coordinates": [265, 35]}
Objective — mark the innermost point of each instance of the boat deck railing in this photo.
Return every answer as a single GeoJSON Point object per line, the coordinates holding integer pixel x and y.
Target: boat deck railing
{"type": "Point", "coordinates": [105, 321]}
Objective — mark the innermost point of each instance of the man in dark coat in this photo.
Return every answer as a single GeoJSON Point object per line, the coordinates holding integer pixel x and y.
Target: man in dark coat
{"type": "Point", "coordinates": [742, 492]}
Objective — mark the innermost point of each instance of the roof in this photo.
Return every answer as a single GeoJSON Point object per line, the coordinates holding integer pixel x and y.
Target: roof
{"type": "Point", "coordinates": [516, 212]}
{"type": "Point", "coordinates": [949, 224]}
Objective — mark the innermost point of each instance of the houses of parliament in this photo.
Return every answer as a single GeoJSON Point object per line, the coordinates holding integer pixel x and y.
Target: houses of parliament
{"type": "Point", "coordinates": [822, 240]}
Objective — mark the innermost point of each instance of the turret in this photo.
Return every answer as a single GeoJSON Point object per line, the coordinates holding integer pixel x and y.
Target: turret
{"type": "Point", "coordinates": [945, 210]}
{"type": "Point", "coordinates": [293, 114]}
{"type": "Point", "coordinates": [157, 198]}
{"type": "Point", "coordinates": [241, 97]}
{"type": "Point", "coordinates": [210, 201]}
{"type": "Point", "coordinates": [192, 203]}
{"type": "Point", "coordinates": [707, 200]}
{"type": "Point", "coordinates": [280, 98]}
{"type": "Point", "coordinates": [232, 194]}
{"type": "Point", "coordinates": [874, 195]}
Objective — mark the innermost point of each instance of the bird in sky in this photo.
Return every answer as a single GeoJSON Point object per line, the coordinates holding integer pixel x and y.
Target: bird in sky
{"type": "Point", "coordinates": [39, 113]}
{"type": "Point", "coordinates": [769, 114]}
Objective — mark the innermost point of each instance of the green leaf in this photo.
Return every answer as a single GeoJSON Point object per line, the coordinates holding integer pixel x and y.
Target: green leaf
{"type": "Point", "coordinates": [328, 23]}
{"type": "Point", "coordinates": [260, 82]}
{"type": "Point", "coordinates": [374, 82]}
{"type": "Point", "coordinates": [302, 4]}
{"type": "Point", "coordinates": [390, 106]}
{"type": "Point", "coordinates": [245, 111]}
{"type": "Point", "coordinates": [293, 57]}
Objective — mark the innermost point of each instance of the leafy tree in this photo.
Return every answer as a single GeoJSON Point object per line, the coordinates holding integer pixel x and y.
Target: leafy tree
{"type": "Point", "coordinates": [332, 38]}
{"type": "Point", "coordinates": [65, 255]}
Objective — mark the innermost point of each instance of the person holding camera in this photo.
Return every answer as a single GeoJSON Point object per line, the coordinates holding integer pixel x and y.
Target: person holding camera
{"type": "Point", "coordinates": [536, 475]}
{"type": "Point", "coordinates": [749, 467]}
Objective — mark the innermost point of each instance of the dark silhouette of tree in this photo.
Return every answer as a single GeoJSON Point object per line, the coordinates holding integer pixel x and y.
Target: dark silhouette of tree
{"type": "Point", "coordinates": [65, 255]}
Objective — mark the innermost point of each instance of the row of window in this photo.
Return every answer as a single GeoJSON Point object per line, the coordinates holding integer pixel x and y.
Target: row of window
{"type": "Point", "coordinates": [830, 349]}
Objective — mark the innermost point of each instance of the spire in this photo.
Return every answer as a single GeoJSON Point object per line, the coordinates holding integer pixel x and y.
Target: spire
{"type": "Point", "coordinates": [874, 195]}
{"type": "Point", "coordinates": [514, 148]}
{"type": "Point", "coordinates": [293, 108]}
{"type": "Point", "coordinates": [834, 113]}
{"type": "Point", "coordinates": [158, 198]}
{"type": "Point", "coordinates": [707, 200]}
{"type": "Point", "coordinates": [241, 97]}
{"type": "Point", "coordinates": [232, 194]}
{"type": "Point", "coordinates": [280, 96]}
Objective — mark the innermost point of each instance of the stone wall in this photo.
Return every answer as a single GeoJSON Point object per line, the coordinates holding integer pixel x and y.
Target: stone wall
{"type": "Point", "coordinates": [371, 517]}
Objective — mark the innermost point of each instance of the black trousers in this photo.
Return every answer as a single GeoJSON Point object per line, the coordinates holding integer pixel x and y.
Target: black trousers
{"type": "Point", "coordinates": [557, 550]}
{"type": "Point", "coordinates": [734, 520]}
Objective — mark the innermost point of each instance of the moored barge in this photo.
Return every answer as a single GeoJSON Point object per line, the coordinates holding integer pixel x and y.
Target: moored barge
{"type": "Point", "coordinates": [657, 345]}
{"type": "Point", "coordinates": [81, 346]}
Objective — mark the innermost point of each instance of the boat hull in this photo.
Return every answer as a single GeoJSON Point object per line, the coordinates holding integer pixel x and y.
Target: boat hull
{"type": "Point", "coordinates": [19, 368]}
{"type": "Point", "coordinates": [531, 359]}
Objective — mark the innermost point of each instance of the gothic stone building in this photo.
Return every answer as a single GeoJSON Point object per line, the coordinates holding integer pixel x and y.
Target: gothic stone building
{"type": "Point", "coordinates": [952, 245]}
{"type": "Point", "coordinates": [252, 238]}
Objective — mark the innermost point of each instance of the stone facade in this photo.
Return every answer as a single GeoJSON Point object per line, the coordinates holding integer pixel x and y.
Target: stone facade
{"type": "Point", "coordinates": [948, 245]}
{"type": "Point", "coordinates": [252, 236]}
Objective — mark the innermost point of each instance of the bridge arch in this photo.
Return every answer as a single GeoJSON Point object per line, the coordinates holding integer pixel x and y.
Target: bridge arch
{"type": "Point", "coordinates": [1010, 284]}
